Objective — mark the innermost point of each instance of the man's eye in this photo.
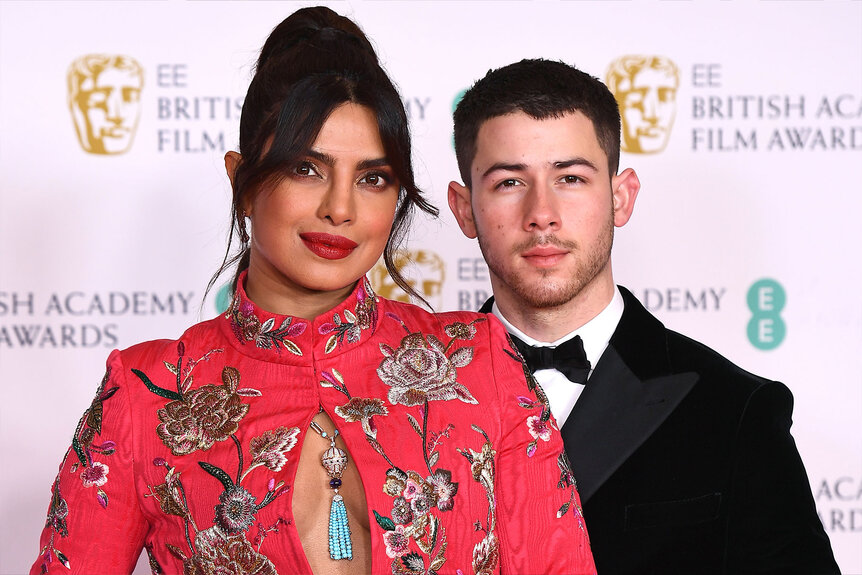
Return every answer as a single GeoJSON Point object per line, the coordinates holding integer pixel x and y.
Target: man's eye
{"type": "Point", "coordinates": [508, 183]}
{"type": "Point", "coordinates": [572, 179]}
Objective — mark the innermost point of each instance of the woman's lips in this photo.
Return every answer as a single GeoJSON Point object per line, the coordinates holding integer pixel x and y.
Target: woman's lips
{"type": "Point", "coordinates": [328, 246]}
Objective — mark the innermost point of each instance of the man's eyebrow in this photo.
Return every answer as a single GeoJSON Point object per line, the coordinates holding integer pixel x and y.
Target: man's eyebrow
{"type": "Point", "coordinates": [363, 165]}
{"type": "Point", "coordinates": [504, 167]}
{"type": "Point", "coordinates": [576, 162]}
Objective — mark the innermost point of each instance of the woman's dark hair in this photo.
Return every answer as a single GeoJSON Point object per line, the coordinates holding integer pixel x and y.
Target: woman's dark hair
{"type": "Point", "coordinates": [313, 62]}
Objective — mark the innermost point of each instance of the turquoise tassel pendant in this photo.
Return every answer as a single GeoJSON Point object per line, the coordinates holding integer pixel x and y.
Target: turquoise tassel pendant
{"type": "Point", "coordinates": [340, 546]}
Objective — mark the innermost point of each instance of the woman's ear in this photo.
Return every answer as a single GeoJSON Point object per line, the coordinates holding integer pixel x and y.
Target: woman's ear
{"type": "Point", "coordinates": [231, 163]}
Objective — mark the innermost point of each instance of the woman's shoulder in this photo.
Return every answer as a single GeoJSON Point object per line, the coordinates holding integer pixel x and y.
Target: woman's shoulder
{"type": "Point", "coordinates": [445, 322]}
{"type": "Point", "coordinates": [201, 335]}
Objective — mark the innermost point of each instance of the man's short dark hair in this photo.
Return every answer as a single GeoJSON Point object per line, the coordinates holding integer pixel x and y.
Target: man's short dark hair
{"type": "Point", "coordinates": [541, 89]}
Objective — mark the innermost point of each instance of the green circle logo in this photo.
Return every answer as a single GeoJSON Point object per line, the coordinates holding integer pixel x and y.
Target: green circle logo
{"type": "Point", "coordinates": [223, 297]}
{"type": "Point", "coordinates": [766, 329]}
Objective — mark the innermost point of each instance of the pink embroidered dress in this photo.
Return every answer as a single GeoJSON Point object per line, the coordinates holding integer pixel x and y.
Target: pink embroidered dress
{"type": "Point", "coordinates": [190, 448]}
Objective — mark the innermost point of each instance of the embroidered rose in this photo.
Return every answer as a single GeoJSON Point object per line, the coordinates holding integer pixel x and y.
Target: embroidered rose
{"type": "Point", "coordinates": [269, 448]}
{"type": "Point", "coordinates": [203, 416]}
{"type": "Point", "coordinates": [421, 504]}
{"type": "Point", "coordinates": [397, 542]}
{"type": "Point", "coordinates": [539, 429]}
{"type": "Point", "coordinates": [396, 481]}
{"type": "Point", "coordinates": [420, 371]}
{"type": "Point", "coordinates": [218, 553]}
{"type": "Point", "coordinates": [363, 409]}
{"type": "Point", "coordinates": [236, 510]}
{"type": "Point", "coordinates": [401, 512]}
{"type": "Point", "coordinates": [414, 486]}
{"type": "Point", "coordinates": [460, 330]}
{"type": "Point", "coordinates": [444, 489]}
{"type": "Point", "coordinates": [96, 474]}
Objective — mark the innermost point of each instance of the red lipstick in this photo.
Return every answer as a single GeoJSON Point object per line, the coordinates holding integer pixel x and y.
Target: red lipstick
{"type": "Point", "coordinates": [328, 246]}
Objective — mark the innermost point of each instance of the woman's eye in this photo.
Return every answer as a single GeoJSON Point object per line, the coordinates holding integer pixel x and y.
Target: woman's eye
{"type": "Point", "coordinates": [305, 169]}
{"type": "Point", "coordinates": [374, 180]}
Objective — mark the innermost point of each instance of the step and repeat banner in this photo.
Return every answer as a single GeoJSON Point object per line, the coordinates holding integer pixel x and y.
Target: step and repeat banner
{"type": "Point", "coordinates": [747, 137]}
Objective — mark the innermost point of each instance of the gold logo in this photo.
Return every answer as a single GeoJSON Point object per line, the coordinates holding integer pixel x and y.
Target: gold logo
{"type": "Point", "coordinates": [104, 97]}
{"type": "Point", "coordinates": [424, 270]}
{"type": "Point", "coordinates": [645, 89]}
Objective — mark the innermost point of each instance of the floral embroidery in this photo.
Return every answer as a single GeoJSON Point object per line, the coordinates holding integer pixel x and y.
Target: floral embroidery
{"type": "Point", "coordinates": [93, 473]}
{"type": "Point", "coordinates": [486, 553]}
{"type": "Point", "coordinates": [269, 449]}
{"type": "Point", "coordinates": [567, 480]}
{"type": "Point", "coordinates": [198, 418]}
{"type": "Point", "coordinates": [247, 327]}
{"type": "Point", "coordinates": [218, 552]}
{"type": "Point", "coordinates": [420, 369]}
{"type": "Point", "coordinates": [363, 409]}
{"type": "Point", "coordinates": [363, 316]}
{"type": "Point", "coordinates": [540, 426]}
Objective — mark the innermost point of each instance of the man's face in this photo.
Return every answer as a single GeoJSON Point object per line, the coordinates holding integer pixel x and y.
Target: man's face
{"type": "Point", "coordinates": [543, 209]}
{"type": "Point", "coordinates": [647, 106]}
{"type": "Point", "coordinates": [109, 106]}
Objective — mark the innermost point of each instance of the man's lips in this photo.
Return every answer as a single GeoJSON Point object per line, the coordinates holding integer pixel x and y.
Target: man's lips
{"type": "Point", "coordinates": [328, 246]}
{"type": "Point", "coordinates": [544, 255]}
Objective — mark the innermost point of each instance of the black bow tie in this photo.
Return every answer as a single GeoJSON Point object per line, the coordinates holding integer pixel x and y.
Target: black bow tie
{"type": "Point", "coordinates": [569, 358]}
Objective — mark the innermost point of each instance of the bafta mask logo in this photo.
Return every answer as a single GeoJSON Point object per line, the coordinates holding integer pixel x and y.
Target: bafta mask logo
{"type": "Point", "coordinates": [645, 88]}
{"type": "Point", "coordinates": [424, 271]}
{"type": "Point", "coordinates": [104, 98]}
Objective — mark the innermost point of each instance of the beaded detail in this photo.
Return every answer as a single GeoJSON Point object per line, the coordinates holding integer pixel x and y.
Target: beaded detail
{"type": "Point", "coordinates": [334, 460]}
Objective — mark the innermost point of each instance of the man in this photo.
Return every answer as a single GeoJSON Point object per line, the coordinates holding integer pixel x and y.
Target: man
{"type": "Point", "coordinates": [104, 98]}
{"type": "Point", "coordinates": [684, 462]}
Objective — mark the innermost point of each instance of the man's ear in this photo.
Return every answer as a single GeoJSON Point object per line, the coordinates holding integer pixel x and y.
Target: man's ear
{"type": "Point", "coordinates": [462, 209]}
{"type": "Point", "coordinates": [625, 187]}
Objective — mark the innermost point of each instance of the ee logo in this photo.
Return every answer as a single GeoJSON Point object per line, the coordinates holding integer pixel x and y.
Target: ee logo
{"type": "Point", "coordinates": [766, 299]}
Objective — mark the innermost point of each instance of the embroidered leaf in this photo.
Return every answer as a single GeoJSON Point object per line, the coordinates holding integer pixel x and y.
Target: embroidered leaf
{"type": "Point", "coordinates": [267, 325]}
{"type": "Point", "coordinates": [326, 328]}
{"type": "Point", "coordinates": [338, 376]}
{"type": "Point", "coordinates": [63, 559]}
{"type": "Point", "coordinates": [248, 392]}
{"type": "Point", "coordinates": [434, 342]}
{"type": "Point", "coordinates": [160, 391]}
{"type": "Point", "coordinates": [269, 448]}
{"type": "Point", "coordinates": [296, 329]}
{"type": "Point", "coordinates": [348, 315]}
{"type": "Point", "coordinates": [324, 383]}
{"type": "Point", "coordinates": [108, 393]}
{"type": "Point", "coordinates": [76, 445]}
{"type": "Point", "coordinates": [188, 383]}
{"type": "Point", "coordinates": [176, 552]}
{"type": "Point", "coordinates": [531, 448]}
{"type": "Point", "coordinates": [291, 347]}
{"type": "Point", "coordinates": [386, 350]}
{"type": "Point", "coordinates": [172, 368]}
{"type": "Point", "coordinates": [330, 344]}
{"type": "Point", "coordinates": [230, 378]}
{"type": "Point", "coordinates": [102, 498]}
{"type": "Point", "coordinates": [218, 474]}
{"type": "Point", "coordinates": [438, 563]}
{"type": "Point", "coordinates": [384, 522]}
{"type": "Point", "coordinates": [432, 461]}
{"type": "Point", "coordinates": [462, 356]}
{"type": "Point", "coordinates": [563, 509]}
{"type": "Point", "coordinates": [413, 562]}
{"type": "Point", "coordinates": [94, 416]}
{"type": "Point", "coordinates": [414, 424]}
{"type": "Point", "coordinates": [463, 393]}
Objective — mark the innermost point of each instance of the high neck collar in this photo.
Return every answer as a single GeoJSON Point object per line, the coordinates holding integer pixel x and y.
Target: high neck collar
{"type": "Point", "coordinates": [288, 339]}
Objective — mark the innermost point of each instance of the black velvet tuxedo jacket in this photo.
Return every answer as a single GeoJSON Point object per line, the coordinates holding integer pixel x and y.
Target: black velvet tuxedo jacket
{"type": "Point", "coordinates": [685, 462]}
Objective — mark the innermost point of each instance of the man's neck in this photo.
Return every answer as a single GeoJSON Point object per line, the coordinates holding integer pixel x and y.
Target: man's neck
{"type": "Point", "coordinates": [548, 324]}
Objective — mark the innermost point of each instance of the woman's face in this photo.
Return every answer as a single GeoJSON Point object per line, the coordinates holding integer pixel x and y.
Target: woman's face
{"type": "Point", "coordinates": [326, 224]}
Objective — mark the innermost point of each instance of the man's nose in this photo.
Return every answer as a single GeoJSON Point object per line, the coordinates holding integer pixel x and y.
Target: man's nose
{"type": "Point", "coordinates": [541, 208]}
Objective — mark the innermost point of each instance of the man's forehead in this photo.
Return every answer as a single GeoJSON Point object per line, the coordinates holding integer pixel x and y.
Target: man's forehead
{"type": "Point", "coordinates": [518, 138]}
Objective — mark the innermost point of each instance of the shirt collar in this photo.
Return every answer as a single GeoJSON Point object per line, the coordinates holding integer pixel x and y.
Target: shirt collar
{"type": "Point", "coordinates": [287, 339]}
{"type": "Point", "coordinates": [595, 334]}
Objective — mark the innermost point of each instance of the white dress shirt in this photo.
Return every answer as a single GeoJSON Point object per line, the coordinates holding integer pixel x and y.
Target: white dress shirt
{"type": "Point", "coordinates": [596, 333]}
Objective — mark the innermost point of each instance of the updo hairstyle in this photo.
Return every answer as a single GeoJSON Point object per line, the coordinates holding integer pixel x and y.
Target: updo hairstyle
{"type": "Point", "coordinates": [313, 62]}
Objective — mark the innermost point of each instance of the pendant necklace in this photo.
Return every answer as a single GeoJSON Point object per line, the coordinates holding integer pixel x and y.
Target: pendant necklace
{"type": "Point", "coordinates": [334, 460]}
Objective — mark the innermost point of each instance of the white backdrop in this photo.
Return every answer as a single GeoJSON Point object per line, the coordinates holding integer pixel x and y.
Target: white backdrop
{"type": "Point", "coordinates": [103, 251]}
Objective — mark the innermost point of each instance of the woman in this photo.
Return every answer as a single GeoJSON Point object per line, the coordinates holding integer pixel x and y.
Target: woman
{"type": "Point", "coordinates": [317, 428]}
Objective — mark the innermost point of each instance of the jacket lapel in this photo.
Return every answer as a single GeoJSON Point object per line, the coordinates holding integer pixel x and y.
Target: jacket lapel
{"type": "Point", "coordinates": [629, 394]}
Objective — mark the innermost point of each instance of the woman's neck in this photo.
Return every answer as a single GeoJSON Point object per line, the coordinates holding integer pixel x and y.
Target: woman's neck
{"type": "Point", "coordinates": [281, 297]}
